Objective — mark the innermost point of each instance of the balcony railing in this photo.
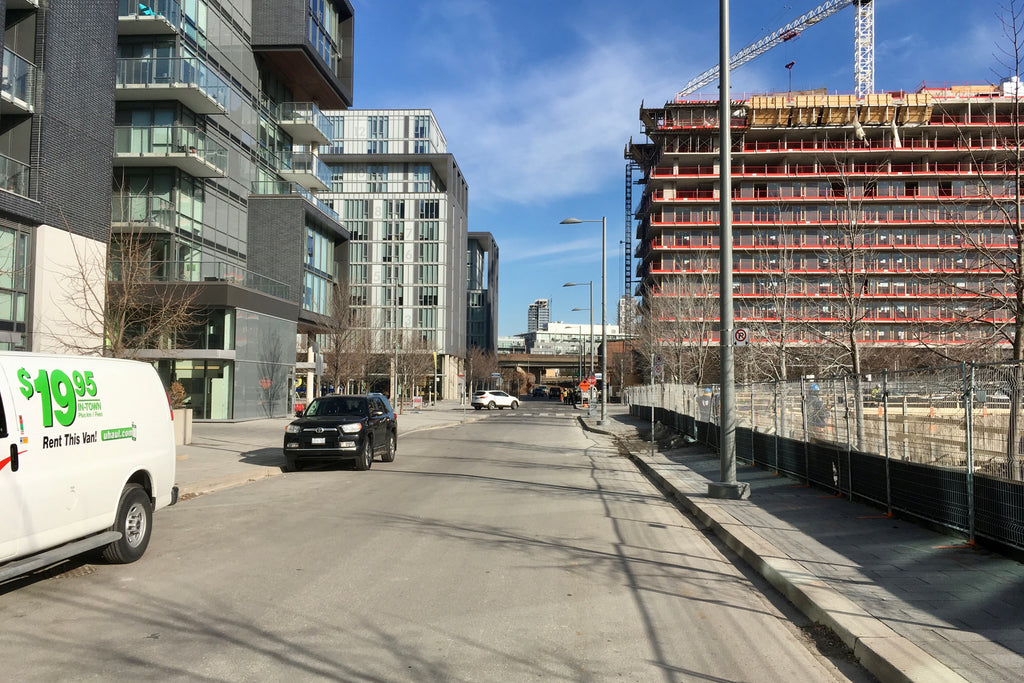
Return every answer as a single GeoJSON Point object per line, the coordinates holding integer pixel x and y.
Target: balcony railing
{"type": "Point", "coordinates": [186, 79]}
{"type": "Point", "coordinates": [14, 175]}
{"type": "Point", "coordinates": [153, 16]}
{"type": "Point", "coordinates": [184, 147]}
{"type": "Point", "coordinates": [306, 169]}
{"type": "Point", "coordinates": [199, 271]}
{"type": "Point", "coordinates": [279, 187]}
{"type": "Point", "coordinates": [142, 212]}
{"type": "Point", "coordinates": [18, 87]}
{"type": "Point", "coordinates": [305, 122]}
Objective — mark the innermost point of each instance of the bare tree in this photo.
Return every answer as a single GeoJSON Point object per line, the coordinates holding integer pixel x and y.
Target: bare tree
{"type": "Point", "coordinates": [773, 319]}
{"type": "Point", "coordinates": [682, 318]}
{"type": "Point", "coordinates": [352, 353]}
{"type": "Point", "coordinates": [989, 284]}
{"type": "Point", "coordinates": [480, 366]}
{"type": "Point", "coordinates": [121, 300]}
{"type": "Point", "coordinates": [415, 361]}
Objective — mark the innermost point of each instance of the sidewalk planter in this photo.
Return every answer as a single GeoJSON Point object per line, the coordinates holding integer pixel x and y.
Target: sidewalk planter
{"type": "Point", "coordinates": [182, 426]}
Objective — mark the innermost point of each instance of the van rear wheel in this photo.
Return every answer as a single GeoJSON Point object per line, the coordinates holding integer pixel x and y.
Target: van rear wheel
{"type": "Point", "coordinates": [135, 522]}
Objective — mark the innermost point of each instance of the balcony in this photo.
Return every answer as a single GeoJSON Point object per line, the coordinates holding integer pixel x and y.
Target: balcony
{"type": "Point", "coordinates": [154, 17]}
{"type": "Point", "coordinates": [276, 187]}
{"type": "Point", "coordinates": [186, 148]}
{"type": "Point", "coordinates": [14, 175]}
{"type": "Point", "coordinates": [186, 80]}
{"type": "Point", "coordinates": [17, 92]}
{"type": "Point", "coordinates": [199, 271]}
{"type": "Point", "coordinates": [316, 66]}
{"type": "Point", "coordinates": [305, 169]}
{"type": "Point", "coordinates": [141, 213]}
{"type": "Point", "coordinates": [305, 123]}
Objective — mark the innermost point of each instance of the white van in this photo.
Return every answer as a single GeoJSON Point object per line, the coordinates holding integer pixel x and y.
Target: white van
{"type": "Point", "coordinates": [86, 455]}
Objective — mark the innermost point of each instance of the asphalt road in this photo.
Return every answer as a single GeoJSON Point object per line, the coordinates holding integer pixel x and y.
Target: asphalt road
{"type": "Point", "coordinates": [515, 548]}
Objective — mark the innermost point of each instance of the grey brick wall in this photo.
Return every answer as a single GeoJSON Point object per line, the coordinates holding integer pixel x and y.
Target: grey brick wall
{"type": "Point", "coordinates": [73, 127]}
{"type": "Point", "coordinates": [76, 126]}
{"type": "Point", "coordinates": [277, 238]}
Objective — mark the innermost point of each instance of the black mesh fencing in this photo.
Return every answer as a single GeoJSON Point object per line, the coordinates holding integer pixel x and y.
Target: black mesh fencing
{"type": "Point", "coordinates": [944, 444]}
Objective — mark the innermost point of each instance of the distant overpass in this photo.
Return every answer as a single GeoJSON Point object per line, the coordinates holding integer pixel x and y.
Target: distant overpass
{"type": "Point", "coordinates": [539, 364]}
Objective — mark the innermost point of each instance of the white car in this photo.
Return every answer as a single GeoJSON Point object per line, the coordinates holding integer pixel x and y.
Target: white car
{"type": "Point", "coordinates": [494, 399]}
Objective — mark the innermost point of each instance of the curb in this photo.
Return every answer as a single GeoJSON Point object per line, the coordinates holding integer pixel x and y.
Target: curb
{"type": "Point", "coordinates": [884, 653]}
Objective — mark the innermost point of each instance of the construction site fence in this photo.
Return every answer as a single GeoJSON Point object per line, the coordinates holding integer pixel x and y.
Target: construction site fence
{"type": "Point", "coordinates": [944, 445]}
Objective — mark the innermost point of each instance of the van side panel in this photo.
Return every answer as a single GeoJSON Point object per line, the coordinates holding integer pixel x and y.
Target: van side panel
{"type": "Point", "coordinates": [84, 427]}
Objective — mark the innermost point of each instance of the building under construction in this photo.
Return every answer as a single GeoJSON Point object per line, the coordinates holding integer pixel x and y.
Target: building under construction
{"type": "Point", "coordinates": [889, 219]}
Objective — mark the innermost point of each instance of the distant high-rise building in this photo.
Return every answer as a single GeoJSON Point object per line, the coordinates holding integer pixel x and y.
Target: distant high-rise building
{"type": "Point", "coordinates": [538, 316]}
{"type": "Point", "coordinates": [404, 201]}
{"type": "Point", "coordinates": [482, 292]}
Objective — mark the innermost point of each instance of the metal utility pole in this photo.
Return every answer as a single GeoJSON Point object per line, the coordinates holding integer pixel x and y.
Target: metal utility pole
{"type": "Point", "coordinates": [728, 487]}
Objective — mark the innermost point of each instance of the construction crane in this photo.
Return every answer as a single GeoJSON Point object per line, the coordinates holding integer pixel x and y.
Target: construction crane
{"type": "Point", "coordinates": [863, 45]}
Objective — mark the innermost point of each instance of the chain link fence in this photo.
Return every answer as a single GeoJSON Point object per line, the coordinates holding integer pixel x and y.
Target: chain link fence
{"type": "Point", "coordinates": [942, 444]}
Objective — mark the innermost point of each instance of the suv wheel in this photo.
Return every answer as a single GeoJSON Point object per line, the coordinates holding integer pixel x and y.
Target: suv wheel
{"type": "Point", "coordinates": [390, 449]}
{"type": "Point", "coordinates": [515, 404]}
{"type": "Point", "coordinates": [365, 459]}
{"type": "Point", "coordinates": [490, 406]}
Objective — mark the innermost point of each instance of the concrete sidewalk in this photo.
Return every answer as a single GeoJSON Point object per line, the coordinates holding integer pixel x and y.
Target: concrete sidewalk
{"type": "Point", "coordinates": [227, 454]}
{"type": "Point", "coordinates": [912, 604]}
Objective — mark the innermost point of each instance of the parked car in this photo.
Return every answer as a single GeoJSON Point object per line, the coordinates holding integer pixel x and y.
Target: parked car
{"type": "Point", "coordinates": [346, 428]}
{"type": "Point", "coordinates": [494, 399]}
{"type": "Point", "coordinates": [540, 391]}
{"type": "Point", "coordinates": [555, 392]}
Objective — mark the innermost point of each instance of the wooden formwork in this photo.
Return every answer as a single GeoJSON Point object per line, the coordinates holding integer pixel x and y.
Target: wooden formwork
{"type": "Point", "coordinates": [917, 108]}
{"type": "Point", "coordinates": [769, 111]}
{"type": "Point", "coordinates": [839, 110]}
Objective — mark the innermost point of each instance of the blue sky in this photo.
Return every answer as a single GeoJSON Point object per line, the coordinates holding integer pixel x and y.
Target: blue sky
{"type": "Point", "coordinates": [537, 100]}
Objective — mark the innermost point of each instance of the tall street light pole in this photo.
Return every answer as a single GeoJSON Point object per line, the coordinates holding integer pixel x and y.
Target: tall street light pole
{"type": "Point", "coordinates": [604, 310]}
{"type": "Point", "coordinates": [590, 391]}
{"type": "Point", "coordinates": [589, 283]}
{"type": "Point", "coordinates": [728, 487]}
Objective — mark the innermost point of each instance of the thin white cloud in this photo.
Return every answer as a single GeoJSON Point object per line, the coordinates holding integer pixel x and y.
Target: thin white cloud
{"type": "Point", "coordinates": [581, 249]}
{"type": "Point", "coordinates": [554, 131]}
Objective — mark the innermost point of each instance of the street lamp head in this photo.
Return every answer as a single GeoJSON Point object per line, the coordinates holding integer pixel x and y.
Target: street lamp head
{"type": "Point", "coordinates": [571, 221]}
{"type": "Point", "coordinates": [581, 309]}
{"type": "Point", "coordinates": [569, 284]}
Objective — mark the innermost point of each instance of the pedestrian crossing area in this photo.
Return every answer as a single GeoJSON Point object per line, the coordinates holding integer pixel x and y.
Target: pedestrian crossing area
{"type": "Point", "coordinates": [536, 409]}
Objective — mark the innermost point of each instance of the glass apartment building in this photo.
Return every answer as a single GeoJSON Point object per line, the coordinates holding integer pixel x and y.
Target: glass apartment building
{"type": "Point", "coordinates": [482, 292]}
{"type": "Point", "coordinates": [217, 123]}
{"type": "Point", "coordinates": [404, 201]}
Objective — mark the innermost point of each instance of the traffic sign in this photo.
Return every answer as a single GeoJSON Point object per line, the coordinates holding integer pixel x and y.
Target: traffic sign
{"type": "Point", "coordinates": [740, 336]}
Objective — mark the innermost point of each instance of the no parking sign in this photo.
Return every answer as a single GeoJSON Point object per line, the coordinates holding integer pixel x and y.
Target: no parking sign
{"type": "Point", "coordinates": [740, 336]}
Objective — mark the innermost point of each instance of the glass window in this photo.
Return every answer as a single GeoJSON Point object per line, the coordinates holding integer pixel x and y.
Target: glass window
{"type": "Point", "coordinates": [377, 179]}
{"type": "Point", "coordinates": [427, 230]}
{"type": "Point", "coordinates": [428, 208]}
{"type": "Point", "coordinates": [421, 178]}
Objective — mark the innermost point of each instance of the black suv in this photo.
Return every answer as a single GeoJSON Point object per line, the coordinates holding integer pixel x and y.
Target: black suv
{"type": "Point", "coordinates": [336, 427]}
